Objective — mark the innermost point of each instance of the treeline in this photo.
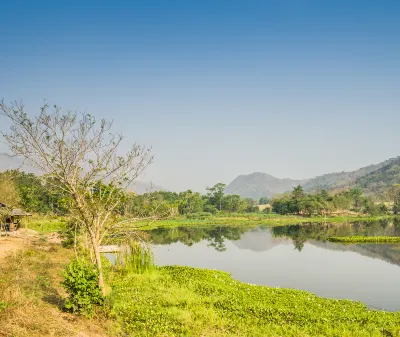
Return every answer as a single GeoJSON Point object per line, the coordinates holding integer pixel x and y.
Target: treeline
{"type": "Point", "coordinates": [39, 195]}
{"type": "Point", "coordinates": [300, 203]}
{"type": "Point", "coordinates": [189, 202]}
{"type": "Point", "coordinates": [32, 193]}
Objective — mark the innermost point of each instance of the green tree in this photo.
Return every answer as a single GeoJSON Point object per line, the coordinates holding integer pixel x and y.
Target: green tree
{"type": "Point", "coordinates": [215, 195]}
{"type": "Point", "coordinates": [81, 157]}
{"type": "Point", "coordinates": [190, 202]}
{"type": "Point", "coordinates": [233, 203]}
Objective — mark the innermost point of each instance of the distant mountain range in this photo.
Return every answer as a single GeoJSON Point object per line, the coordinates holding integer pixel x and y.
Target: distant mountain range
{"type": "Point", "coordinates": [373, 179]}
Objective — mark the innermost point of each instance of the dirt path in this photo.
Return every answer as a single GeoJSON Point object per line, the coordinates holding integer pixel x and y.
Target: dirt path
{"type": "Point", "coordinates": [9, 245]}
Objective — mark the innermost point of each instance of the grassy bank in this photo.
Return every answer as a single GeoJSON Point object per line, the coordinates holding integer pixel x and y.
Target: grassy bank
{"type": "Point", "coordinates": [172, 301]}
{"type": "Point", "coordinates": [364, 239]}
{"type": "Point", "coordinates": [31, 297]}
{"type": "Point", "coordinates": [251, 221]}
{"type": "Point", "coordinates": [48, 224]}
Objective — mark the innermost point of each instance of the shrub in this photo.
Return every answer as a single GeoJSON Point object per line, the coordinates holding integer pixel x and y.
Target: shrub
{"type": "Point", "coordinates": [198, 215]}
{"type": "Point", "coordinates": [81, 284]}
{"type": "Point", "coordinates": [69, 234]}
{"type": "Point", "coordinates": [3, 306]}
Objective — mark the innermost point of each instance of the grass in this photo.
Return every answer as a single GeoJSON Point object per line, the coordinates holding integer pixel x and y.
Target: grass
{"type": "Point", "coordinates": [45, 224]}
{"type": "Point", "coordinates": [364, 239]}
{"type": "Point", "coordinates": [50, 224]}
{"type": "Point", "coordinates": [183, 301]}
{"type": "Point", "coordinates": [251, 220]}
{"type": "Point", "coordinates": [31, 297]}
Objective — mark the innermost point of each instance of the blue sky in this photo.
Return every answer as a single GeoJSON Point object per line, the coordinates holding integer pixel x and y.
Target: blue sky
{"type": "Point", "coordinates": [217, 88]}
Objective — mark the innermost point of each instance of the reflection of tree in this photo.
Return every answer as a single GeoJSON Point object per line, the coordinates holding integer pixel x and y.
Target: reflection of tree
{"type": "Point", "coordinates": [188, 236]}
{"type": "Point", "coordinates": [299, 243]}
{"type": "Point", "coordinates": [320, 232]}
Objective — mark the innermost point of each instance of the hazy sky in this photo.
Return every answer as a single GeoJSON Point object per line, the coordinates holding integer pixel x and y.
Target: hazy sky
{"type": "Point", "coordinates": [217, 88]}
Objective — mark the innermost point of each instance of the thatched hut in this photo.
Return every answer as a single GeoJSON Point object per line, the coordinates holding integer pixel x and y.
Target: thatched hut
{"type": "Point", "coordinates": [10, 218]}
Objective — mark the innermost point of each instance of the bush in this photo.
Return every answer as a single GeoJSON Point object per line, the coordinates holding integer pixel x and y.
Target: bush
{"type": "Point", "coordinates": [3, 306]}
{"type": "Point", "coordinates": [81, 284]}
{"type": "Point", "coordinates": [198, 215]}
{"type": "Point", "coordinates": [69, 234]}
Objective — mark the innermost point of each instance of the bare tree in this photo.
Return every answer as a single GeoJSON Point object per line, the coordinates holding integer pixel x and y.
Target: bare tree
{"type": "Point", "coordinates": [82, 158]}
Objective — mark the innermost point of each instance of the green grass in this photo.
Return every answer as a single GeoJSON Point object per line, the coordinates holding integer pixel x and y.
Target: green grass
{"type": "Point", "coordinates": [45, 224]}
{"type": "Point", "coordinates": [365, 239]}
{"type": "Point", "coordinates": [250, 221]}
{"type": "Point", "coordinates": [183, 301]}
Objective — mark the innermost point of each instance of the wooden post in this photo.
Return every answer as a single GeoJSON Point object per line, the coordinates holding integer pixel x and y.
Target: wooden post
{"type": "Point", "coordinates": [11, 224]}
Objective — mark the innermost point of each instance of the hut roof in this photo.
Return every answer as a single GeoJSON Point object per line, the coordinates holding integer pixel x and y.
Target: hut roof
{"type": "Point", "coordinates": [19, 212]}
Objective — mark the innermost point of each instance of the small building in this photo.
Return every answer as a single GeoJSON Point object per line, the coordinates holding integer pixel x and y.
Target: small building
{"type": "Point", "coordinates": [10, 218]}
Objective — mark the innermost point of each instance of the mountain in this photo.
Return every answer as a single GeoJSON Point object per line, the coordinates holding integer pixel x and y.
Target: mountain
{"type": "Point", "coordinates": [257, 185]}
{"type": "Point", "coordinates": [372, 179]}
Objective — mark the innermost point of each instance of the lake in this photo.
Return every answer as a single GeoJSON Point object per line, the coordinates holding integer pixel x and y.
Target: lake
{"type": "Point", "coordinates": [293, 257]}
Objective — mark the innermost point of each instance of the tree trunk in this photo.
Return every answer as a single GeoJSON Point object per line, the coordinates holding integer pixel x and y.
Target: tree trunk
{"type": "Point", "coordinates": [97, 255]}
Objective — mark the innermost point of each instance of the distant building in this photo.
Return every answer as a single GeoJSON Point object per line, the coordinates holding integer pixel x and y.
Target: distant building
{"type": "Point", "coordinates": [10, 218]}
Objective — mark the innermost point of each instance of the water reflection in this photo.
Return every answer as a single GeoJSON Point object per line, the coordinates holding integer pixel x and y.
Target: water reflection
{"type": "Point", "coordinates": [215, 236]}
{"type": "Point", "coordinates": [298, 234]}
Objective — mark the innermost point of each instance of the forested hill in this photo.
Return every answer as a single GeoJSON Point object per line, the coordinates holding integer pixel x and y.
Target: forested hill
{"type": "Point", "coordinates": [373, 179]}
{"type": "Point", "coordinates": [257, 185]}
{"type": "Point", "coordinates": [379, 180]}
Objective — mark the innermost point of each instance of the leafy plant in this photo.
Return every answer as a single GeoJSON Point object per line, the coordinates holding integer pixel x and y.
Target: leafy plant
{"type": "Point", "coordinates": [81, 284]}
{"type": "Point", "coordinates": [3, 306]}
{"type": "Point", "coordinates": [365, 239]}
{"type": "Point", "coordinates": [136, 258]}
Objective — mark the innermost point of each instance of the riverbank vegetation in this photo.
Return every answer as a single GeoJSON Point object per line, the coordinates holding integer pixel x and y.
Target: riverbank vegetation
{"type": "Point", "coordinates": [364, 239]}
{"type": "Point", "coordinates": [172, 301]}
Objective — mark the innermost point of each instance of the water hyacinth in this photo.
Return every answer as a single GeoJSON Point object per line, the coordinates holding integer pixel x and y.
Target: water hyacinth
{"type": "Point", "coordinates": [364, 239]}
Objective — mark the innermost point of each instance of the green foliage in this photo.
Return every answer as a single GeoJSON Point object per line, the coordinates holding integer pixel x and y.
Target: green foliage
{"type": "Point", "coordinates": [8, 190]}
{"type": "Point", "coordinates": [198, 216]}
{"type": "Point", "coordinates": [190, 202]}
{"type": "Point", "coordinates": [70, 234]}
{"type": "Point", "coordinates": [39, 195]}
{"type": "Point", "coordinates": [135, 257]}
{"type": "Point", "coordinates": [81, 284]}
{"type": "Point", "coordinates": [300, 203]}
{"type": "Point", "coordinates": [365, 239]}
{"type": "Point", "coordinates": [183, 301]}
{"type": "Point", "coordinates": [148, 204]}
{"type": "Point", "coordinates": [3, 306]}
{"type": "Point", "coordinates": [215, 195]}
{"type": "Point", "coordinates": [263, 201]}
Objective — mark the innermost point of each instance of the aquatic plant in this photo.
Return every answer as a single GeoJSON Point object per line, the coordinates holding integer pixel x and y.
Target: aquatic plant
{"type": "Point", "coordinates": [184, 301]}
{"type": "Point", "coordinates": [136, 257]}
{"type": "Point", "coordinates": [364, 239]}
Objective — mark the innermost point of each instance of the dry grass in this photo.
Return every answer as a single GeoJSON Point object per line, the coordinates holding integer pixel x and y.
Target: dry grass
{"type": "Point", "coordinates": [31, 297]}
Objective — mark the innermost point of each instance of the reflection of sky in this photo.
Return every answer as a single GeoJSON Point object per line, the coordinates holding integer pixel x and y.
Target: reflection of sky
{"type": "Point", "coordinates": [328, 273]}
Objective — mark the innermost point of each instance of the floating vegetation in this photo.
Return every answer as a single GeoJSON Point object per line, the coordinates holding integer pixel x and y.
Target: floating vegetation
{"type": "Point", "coordinates": [184, 301]}
{"type": "Point", "coordinates": [365, 239]}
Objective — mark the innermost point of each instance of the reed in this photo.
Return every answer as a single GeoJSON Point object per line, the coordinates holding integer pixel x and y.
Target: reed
{"type": "Point", "coordinates": [136, 257]}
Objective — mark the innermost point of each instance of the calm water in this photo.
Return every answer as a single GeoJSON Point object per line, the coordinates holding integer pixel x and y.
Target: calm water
{"type": "Point", "coordinates": [294, 257]}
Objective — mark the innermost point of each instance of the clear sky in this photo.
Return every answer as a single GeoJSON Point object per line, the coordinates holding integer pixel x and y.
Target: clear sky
{"type": "Point", "coordinates": [217, 88]}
